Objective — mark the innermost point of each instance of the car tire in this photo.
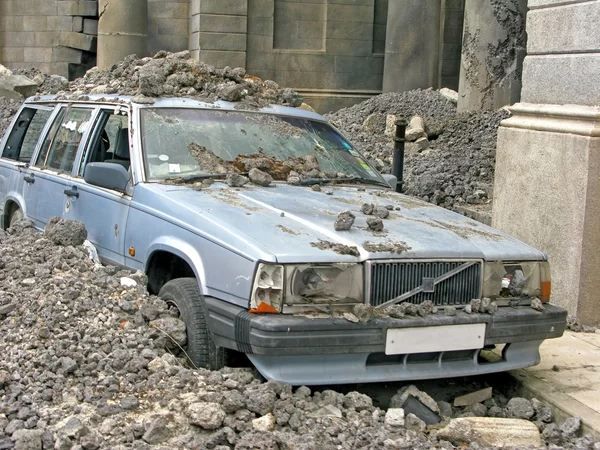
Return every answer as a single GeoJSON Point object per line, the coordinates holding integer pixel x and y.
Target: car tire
{"type": "Point", "coordinates": [16, 215]}
{"type": "Point", "coordinates": [184, 294]}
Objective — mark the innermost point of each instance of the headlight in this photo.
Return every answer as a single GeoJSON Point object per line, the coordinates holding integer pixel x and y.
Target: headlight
{"type": "Point", "coordinates": [324, 284]}
{"type": "Point", "coordinates": [517, 279]}
{"type": "Point", "coordinates": [306, 284]}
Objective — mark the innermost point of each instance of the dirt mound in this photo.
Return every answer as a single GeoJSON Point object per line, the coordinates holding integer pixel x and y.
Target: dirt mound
{"type": "Point", "coordinates": [457, 165]}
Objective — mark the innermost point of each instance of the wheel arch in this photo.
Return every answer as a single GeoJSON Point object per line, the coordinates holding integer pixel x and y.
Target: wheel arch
{"type": "Point", "coordinates": [178, 258]}
{"type": "Point", "coordinates": [11, 204]}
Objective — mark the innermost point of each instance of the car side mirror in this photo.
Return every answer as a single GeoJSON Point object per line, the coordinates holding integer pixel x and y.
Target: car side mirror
{"type": "Point", "coordinates": [107, 175]}
{"type": "Point", "coordinates": [391, 180]}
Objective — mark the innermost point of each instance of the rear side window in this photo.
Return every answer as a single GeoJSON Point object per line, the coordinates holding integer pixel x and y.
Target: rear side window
{"type": "Point", "coordinates": [60, 146]}
{"type": "Point", "coordinates": [25, 134]}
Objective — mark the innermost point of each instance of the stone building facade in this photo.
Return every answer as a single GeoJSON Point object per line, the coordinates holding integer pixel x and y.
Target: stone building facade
{"type": "Point", "coordinates": [331, 50]}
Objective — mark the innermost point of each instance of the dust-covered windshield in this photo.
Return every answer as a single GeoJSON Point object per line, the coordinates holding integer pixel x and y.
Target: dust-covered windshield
{"type": "Point", "coordinates": [184, 142]}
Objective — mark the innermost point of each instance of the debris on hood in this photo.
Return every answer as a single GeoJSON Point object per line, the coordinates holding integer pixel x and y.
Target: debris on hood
{"type": "Point", "coordinates": [344, 221]}
{"type": "Point", "coordinates": [386, 247]}
{"type": "Point", "coordinates": [338, 248]}
{"type": "Point", "coordinates": [363, 312]}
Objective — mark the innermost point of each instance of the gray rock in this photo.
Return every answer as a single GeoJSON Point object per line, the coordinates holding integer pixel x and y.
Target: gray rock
{"type": "Point", "coordinates": [375, 224]}
{"type": "Point", "coordinates": [414, 423]}
{"type": "Point", "coordinates": [537, 304]}
{"type": "Point", "coordinates": [28, 439]}
{"type": "Point", "coordinates": [74, 428]}
{"type": "Point", "coordinates": [394, 417]}
{"type": "Point", "coordinates": [236, 180]}
{"type": "Point", "coordinates": [381, 212]}
{"type": "Point", "coordinates": [367, 208]}
{"type": "Point", "coordinates": [344, 221]}
{"type": "Point", "coordinates": [516, 284]}
{"type": "Point", "coordinates": [260, 401]}
{"type": "Point", "coordinates": [542, 412]}
{"type": "Point", "coordinates": [358, 401]}
{"type": "Point", "coordinates": [445, 409]}
{"type": "Point", "coordinates": [206, 415]}
{"type": "Point", "coordinates": [129, 402]}
{"type": "Point", "coordinates": [570, 427]}
{"type": "Point", "coordinates": [173, 327]}
{"type": "Point", "coordinates": [157, 431]}
{"type": "Point", "coordinates": [65, 231]}
{"type": "Point", "coordinates": [450, 310]}
{"type": "Point", "coordinates": [520, 408]}
{"type": "Point", "coordinates": [259, 177]}
{"type": "Point", "coordinates": [363, 312]}
{"type": "Point", "coordinates": [68, 365]}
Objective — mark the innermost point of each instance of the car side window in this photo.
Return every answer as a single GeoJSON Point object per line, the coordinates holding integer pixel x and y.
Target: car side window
{"type": "Point", "coordinates": [110, 142]}
{"type": "Point", "coordinates": [60, 147]}
{"type": "Point", "coordinates": [25, 134]}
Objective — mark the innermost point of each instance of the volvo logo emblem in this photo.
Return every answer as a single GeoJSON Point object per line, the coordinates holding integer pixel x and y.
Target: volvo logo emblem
{"type": "Point", "coordinates": [428, 285]}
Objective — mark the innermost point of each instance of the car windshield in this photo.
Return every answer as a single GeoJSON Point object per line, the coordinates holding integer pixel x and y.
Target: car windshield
{"type": "Point", "coordinates": [188, 143]}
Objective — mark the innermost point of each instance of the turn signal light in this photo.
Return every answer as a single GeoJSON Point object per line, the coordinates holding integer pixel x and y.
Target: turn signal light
{"type": "Point", "coordinates": [264, 308]}
{"type": "Point", "coordinates": [545, 291]}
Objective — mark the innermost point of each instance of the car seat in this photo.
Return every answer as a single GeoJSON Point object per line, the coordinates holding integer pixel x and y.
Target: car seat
{"type": "Point", "coordinates": [121, 150]}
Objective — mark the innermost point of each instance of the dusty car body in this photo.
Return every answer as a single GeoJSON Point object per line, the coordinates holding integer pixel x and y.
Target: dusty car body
{"type": "Point", "coordinates": [267, 274]}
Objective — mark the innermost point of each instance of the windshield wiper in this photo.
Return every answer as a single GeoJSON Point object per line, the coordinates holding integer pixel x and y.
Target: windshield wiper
{"type": "Point", "coordinates": [311, 181]}
{"type": "Point", "coordinates": [192, 178]}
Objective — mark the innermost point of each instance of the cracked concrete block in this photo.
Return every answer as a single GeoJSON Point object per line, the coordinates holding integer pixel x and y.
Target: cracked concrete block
{"type": "Point", "coordinates": [491, 432]}
{"type": "Point", "coordinates": [473, 397]}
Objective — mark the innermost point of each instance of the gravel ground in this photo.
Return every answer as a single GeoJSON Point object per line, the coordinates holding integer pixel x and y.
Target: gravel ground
{"type": "Point", "coordinates": [87, 364]}
{"type": "Point", "coordinates": [458, 166]}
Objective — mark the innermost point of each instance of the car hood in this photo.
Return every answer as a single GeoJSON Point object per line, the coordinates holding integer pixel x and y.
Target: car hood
{"type": "Point", "coordinates": [295, 224]}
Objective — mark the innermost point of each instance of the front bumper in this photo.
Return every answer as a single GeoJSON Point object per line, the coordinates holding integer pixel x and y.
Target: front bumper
{"type": "Point", "coordinates": [300, 350]}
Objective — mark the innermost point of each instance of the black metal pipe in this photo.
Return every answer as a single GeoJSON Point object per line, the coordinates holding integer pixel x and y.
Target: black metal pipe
{"type": "Point", "coordinates": [398, 161]}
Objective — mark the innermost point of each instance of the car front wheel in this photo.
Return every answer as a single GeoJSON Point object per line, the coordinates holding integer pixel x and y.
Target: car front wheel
{"type": "Point", "coordinates": [184, 294]}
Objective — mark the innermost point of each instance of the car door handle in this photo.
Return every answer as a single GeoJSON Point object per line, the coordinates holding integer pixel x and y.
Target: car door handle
{"type": "Point", "coordinates": [29, 179]}
{"type": "Point", "coordinates": [72, 192]}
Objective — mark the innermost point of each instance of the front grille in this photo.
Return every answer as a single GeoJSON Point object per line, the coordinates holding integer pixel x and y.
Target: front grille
{"type": "Point", "coordinates": [393, 279]}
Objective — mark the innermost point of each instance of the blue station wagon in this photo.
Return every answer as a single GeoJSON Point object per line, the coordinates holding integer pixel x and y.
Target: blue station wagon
{"type": "Point", "coordinates": [259, 267]}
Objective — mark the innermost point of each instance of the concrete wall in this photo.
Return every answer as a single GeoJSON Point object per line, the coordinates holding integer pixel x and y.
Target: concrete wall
{"type": "Point", "coordinates": [53, 36]}
{"type": "Point", "coordinates": [168, 25]}
{"type": "Point", "coordinates": [563, 55]}
{"type": "Point", "coordinates": [547, 188]}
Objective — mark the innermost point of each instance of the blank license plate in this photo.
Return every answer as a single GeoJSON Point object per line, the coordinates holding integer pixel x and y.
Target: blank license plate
{"type": "Point", "coordinates": [434, 339]}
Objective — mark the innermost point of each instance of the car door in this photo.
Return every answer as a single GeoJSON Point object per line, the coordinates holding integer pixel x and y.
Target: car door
{"type": "Point", "coordinates": [103, 211]}
{"type": "Point", "coordinates": [17, 149]}
{"type": "Point", "coordinates": [47, 189]}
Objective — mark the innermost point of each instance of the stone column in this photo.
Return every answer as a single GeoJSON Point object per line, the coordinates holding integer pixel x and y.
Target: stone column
{"type": "Point", "coordinates": [412, 45]}
{"type": "Point", "coordinates": [122, 30]}
{"type": "Point", "coordinates": [493, 49]}
{"type": "Point", "coordinates": [547, 187]}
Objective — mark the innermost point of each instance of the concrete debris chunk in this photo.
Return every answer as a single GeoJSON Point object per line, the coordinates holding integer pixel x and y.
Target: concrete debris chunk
{"type": "Point", "coordinates": [367, 208]}
{"type": "Point", "coordinates": [394, 417]}
{"type": "Point", "coordinates": [65, 231]}
{"type": "Point", "coordinates": [265, 423]}
{"type": "Point", "coordinates": [412, 405]}
{"type": "Point", "coordinates": [516, 284]}
{"type": "Point", "coordinates": [363, 312]}
{"type": "Point", "coordinates": [474, 397]}
{"type": "Point", "coordinates": [450, 310]}
{"type": "Point", "coordinates": [236, 180]}
{"type": "Point", "coordinates": [375, 224]}
{"type": "Point", "coordinates": [381, 212]}
{"type": "Point", "coordinates": [344, 221]}
{"type": "Point", "coordinates": [398, 400]}
{"type": "Point", "coordinates": [259, 177]}
{"type": "Point", "coordinates": [390, 125]}
{"type": "Point", "coordinates": [415, 423]}
{"type": "Point", "coordinates": [537, 304]}
{"type": "Point", "coordinates": [520, 408]}
{"type": "Point", "coordinates": [207, 415]}
{"type": "Point", "coordinates": [475, 305]}
{"type": "Point", "coordinates": [450, 95]}
{"type": "Point", "coordinates": [491, 432]}
{"type": "Point", "coordinates": [327, 411]}
{"type": "Point", "coordinates": [415, 129]}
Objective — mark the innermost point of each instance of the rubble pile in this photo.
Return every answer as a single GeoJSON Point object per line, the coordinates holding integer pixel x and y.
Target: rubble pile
{"type": "Point", "coordinates": [174, 75]}
{"type": "Point", "coordinates": [8, 108]}
{"type": "Point", "coordinates": [89, 361]}
{"type": "Point", "coordinates": [449, 156]}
